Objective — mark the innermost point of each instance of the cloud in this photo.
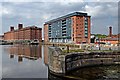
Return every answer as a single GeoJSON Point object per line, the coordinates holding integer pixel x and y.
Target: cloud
{"type": "Point", "coordinates": [102, 9]}
{"type": "Point", "coordinates": [103, 15]}
{"type": "Point", "coordinates": [44, 1]}
{"type": "Point", "coordinates": [6, 11]}
{"type": "Point", "coordinates": [0, 19]}
{"type": "Point", "coordinates": [37, 13]}
{"type": "Point", "coordinates": [93, 11]}
{"type": "Point", "coordinates": [66, 0]}
{"type": "Point", "coordinates": [46, 16]}
{"type": "Point", "coordinates": [0, 9]}
{"type": "Point", "coordinates": [101, 0]}
{"type": "Point", "coordinates": [112, 9]}
{"type": "Point", "coordinates": [17, 1]}
{"type": "Point", "coordinates": [60, 1]}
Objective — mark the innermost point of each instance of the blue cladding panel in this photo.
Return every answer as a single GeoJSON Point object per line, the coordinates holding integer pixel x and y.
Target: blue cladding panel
{"type": "Point", "coordinates": [68, 27]}
{"type": "Point", "coordinates": [67, 16]}
{"type": "Point", "coordinates": [56, 29]}
{"type": "Point", "coordinates": [86, 27]}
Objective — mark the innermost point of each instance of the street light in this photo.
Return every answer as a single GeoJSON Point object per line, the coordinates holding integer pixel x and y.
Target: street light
{"type": "Point", "coordinates": [99, 43]}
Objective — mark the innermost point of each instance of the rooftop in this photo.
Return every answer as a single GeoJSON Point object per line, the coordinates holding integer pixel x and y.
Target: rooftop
{"type": "Point", "coordinates": [66, 16]}
{"type": "Point", "coordinates": [25, 28]}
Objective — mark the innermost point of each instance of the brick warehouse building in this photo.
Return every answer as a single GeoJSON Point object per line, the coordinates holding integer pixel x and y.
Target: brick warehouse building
{"type": "Point", "coordinates": [27, 33]}
{"type": "Point", "coordinates": [74, 27]}
{"type": "Point", "coordinates": [111, 38]}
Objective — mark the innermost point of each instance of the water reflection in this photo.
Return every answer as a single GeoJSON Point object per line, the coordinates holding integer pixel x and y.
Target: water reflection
{"type": "Point", "coordinates": [30, 61]}
{"type": "Point", "coordinates": [32, 52]}
{"type": "Point", "coordinates": [45, 54]}
{"type": "Point", "coordinates": [24, 61]}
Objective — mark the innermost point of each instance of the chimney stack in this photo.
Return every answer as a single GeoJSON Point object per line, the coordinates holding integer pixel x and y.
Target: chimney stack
{"type": "Point", "coordinates": [20, 26]}
{"type": "Point", "coordinates": [110, 31]}
{"type": "Point", "coordinates": [11, 28]}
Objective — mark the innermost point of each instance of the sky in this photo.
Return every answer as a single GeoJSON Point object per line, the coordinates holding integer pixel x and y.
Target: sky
{"type": "Point", "coordinates": [104, 13]}
{"type": "Point", "coordinates": [28, 12]}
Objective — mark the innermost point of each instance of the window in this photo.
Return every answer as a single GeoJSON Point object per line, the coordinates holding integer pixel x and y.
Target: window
{"type": "Point", "coordinates": [85, 18]}
{"type": "Point", "coordinates": [81, 30]}
{"type": "Point", "coordinates": [86, 23]}
{"type": "Point", "coordinates": [86, 29]}
{"type": "Point", "coordinates": [63, 34]}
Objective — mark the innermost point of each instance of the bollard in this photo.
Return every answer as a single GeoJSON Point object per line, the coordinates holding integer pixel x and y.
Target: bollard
{"type": "Point", "coordinates": [67, 48]}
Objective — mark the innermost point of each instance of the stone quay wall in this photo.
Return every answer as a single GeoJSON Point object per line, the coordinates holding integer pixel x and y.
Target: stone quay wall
{"type": "Point", "coordinates": [60, 63]}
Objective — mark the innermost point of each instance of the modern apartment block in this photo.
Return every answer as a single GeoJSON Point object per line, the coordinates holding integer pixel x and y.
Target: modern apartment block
{"type": "Point", "coordinates": [20, 34]}
{"type": "Point", "coordinates": [74, 27]}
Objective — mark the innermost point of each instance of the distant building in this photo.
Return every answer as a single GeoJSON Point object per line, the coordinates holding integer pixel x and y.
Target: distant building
{"type": "Point", "coordinates": [112, 39]}
{"type": "Point", "coordinates": [74, 27]}
{"type": "Point", "coordinates": [1, 37]}
{"type": "Point", "coordinates": [28, 33]}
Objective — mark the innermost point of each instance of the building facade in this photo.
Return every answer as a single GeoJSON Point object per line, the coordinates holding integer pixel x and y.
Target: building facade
{"type": "Point", "coordinates": [1, 37]}
{"type": "Point", "coordinates": [111, 38]}
{"type": "Point", "coordinates": [27, 33]}
{"type": "Point", "coordinates": [74, 27]}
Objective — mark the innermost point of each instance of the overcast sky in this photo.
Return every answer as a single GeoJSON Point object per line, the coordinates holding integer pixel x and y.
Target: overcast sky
{"type": "Point", "coordinates": [103, 14]}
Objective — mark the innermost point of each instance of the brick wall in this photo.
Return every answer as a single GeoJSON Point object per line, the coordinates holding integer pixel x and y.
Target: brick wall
{"type": "Point", "coordinates": [29, 33]}
{"type": "Point", "coordinates": [46, 33]}
{"type": "Point", "coordinates": [78, 28]}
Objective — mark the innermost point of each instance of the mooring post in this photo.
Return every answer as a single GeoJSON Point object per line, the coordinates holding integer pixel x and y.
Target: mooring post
{"type": "Point", "coordinates": [53, 45]}
{"type": "Point", "coordinates": [56, 61]}
{"type": "Point", "coordinates": [67, 48]}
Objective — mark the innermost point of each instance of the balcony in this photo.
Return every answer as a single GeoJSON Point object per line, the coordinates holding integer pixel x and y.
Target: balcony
{"type": "Point", "coordinates": [64, 28]}
{"type": "Point", "coordinates": [64, 32]}
{"type": "Point", "coordinates": [64, 35]}
{"type": "Point", "coordinates": [64, 24]}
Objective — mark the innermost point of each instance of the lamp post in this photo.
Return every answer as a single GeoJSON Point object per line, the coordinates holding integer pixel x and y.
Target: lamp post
{"type": "Point", "coordinates": [99, 43]}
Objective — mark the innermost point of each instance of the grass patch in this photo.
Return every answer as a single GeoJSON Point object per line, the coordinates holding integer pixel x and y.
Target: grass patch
{"type": "Point", "coordinates": [104, 50]}
{"type": "Point", "coordinates": [76, 50]}
{"type": "Point", "coordinates": [81, 50]}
